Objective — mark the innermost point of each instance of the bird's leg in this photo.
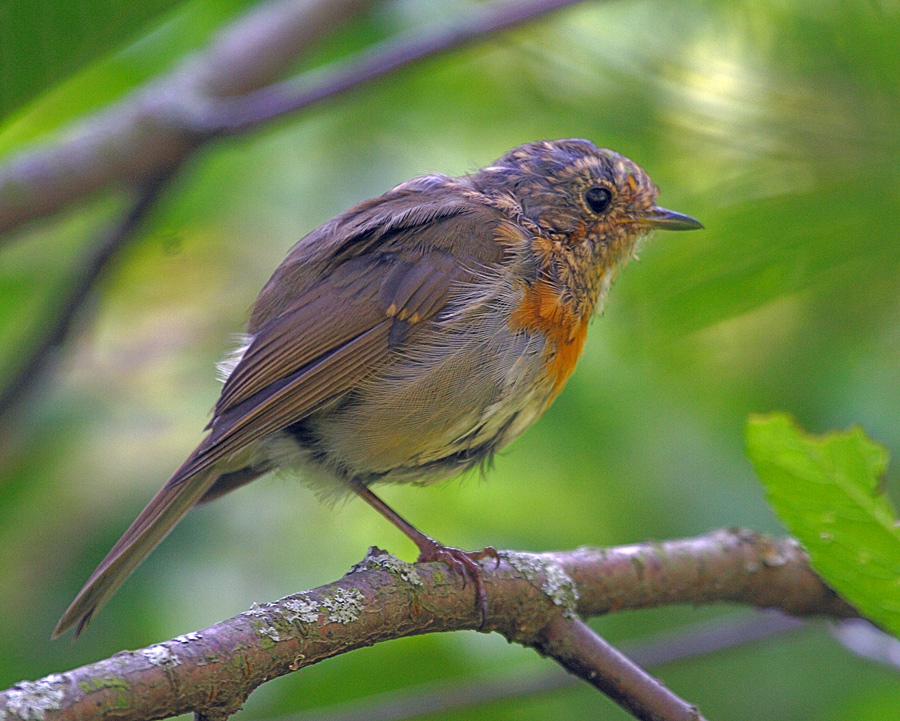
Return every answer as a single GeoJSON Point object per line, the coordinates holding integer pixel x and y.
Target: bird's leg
{"type": "Point", "coordinates": [430, 550]}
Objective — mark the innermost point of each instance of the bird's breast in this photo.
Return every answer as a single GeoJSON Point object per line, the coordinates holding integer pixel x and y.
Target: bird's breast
{"type": "Point", "coordinates": [545, 310]}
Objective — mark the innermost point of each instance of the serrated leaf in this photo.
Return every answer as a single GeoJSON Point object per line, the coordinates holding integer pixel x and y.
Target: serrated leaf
{"type": "Point", "coordinates": [826, 491]}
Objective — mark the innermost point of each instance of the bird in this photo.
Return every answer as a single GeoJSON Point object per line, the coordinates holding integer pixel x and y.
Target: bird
{"type": "Point", "coordinates": [410, 338]}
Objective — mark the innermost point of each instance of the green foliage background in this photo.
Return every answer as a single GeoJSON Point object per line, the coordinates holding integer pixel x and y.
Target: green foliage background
{"type": "Point", "coordinates": [774, 122]}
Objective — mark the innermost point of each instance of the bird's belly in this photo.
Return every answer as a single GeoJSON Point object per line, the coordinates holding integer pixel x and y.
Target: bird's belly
{"type": "Point", "coordinates": [439, 408]}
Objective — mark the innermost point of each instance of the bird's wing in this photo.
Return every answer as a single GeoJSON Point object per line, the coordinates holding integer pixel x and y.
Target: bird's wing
{"type": "Point", "coordinates": [322, 344]}
{"type": "Point", "coordinates": [432, 212]}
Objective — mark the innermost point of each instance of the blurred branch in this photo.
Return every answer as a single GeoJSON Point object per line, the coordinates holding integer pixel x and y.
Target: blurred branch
{"type": "Point", "coordinates": [211, 672]}
{"type": "Point", "coordinates": [868, 641]}
{"type": "Point", "coordinates": [221, 90]}
{"type": "Point", "coordinates": [97, 260]}
{"type": "Point", "coordinates": [239, 114]}
{"type": "Point", "coordinates": [149, 130]}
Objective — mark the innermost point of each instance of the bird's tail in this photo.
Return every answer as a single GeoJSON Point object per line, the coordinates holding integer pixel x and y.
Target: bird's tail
{"type": "Point", "coordinates": [168, 507]}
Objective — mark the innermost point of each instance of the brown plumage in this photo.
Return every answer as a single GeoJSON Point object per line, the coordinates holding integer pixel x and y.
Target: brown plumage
{"type": "Point", "coordinates": [411, 337]}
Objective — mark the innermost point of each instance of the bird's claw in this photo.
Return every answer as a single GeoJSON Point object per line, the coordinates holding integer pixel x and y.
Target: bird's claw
{"type": "Point", "coordinates": [464, 562]}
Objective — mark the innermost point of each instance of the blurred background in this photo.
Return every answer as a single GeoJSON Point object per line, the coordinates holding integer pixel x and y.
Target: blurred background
{"type": "Point", "coordinates": [774, 122]}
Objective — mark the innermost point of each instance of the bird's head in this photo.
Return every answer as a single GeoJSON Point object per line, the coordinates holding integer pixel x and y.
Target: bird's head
{"type": "Point", "coordinates": [578, 194]}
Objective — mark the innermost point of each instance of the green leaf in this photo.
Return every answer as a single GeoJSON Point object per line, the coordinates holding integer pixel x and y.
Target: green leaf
{"type": "Point", "coordinates": [826, 491]}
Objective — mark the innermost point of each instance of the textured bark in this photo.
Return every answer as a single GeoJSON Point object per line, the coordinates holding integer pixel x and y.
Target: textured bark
{"type": "Point", "coordinates": [211, 672]}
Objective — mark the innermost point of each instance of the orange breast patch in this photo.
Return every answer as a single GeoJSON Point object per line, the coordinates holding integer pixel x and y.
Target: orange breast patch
{"type": "Point", "coordinates": [543, 310]}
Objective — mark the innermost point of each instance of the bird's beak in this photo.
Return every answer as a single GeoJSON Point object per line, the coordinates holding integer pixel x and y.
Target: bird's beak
{"type": "Point", "coordinates": [670, 220]}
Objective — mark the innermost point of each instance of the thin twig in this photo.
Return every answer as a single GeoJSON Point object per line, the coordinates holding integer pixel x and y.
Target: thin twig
{"type": "Point", "coordinates": [709, 637]}
{"type": "Point", "coordinates": [215, 669]}
{"type": "Point", "coordinates": [582, 652]}
{"type": "Point", "coordinates": [96, 263]}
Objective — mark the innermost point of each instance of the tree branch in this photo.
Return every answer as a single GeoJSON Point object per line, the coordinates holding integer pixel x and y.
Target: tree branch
{"type": "Point", "coordinates": [233, 115]}
{"type": "Point", "coordinates": [732, 565]}
{"type": "Point", "coordinates": [149, 131]}
{"type": "Point", "coordinates": [211, 672]}
{"type": "Point", "coordinates": [222, 89]}
{"type": "Point", "coordinates": [583, 653]}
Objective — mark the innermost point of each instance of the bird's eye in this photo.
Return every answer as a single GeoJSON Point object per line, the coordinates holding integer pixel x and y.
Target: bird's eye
{"type": "Point", "coordinates": [597, 199]}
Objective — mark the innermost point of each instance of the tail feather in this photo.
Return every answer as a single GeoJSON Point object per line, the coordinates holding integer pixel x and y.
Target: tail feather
{"type": "Point", "coordinates": [153, 524]}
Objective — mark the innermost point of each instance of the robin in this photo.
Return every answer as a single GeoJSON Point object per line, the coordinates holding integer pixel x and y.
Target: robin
{"type": "Point", "coordinates": [411, 337]}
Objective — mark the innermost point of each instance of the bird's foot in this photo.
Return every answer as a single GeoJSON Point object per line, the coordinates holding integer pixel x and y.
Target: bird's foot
{"type": "Point", "coordinates": [465, 562]}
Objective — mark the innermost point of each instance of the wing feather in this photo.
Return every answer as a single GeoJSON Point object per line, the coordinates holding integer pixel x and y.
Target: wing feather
{"type": "Point", "coordinates": [308, 329]}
